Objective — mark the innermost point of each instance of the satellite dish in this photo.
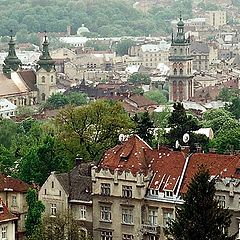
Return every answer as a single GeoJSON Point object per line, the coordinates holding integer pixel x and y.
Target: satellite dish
{"type": "Point", "coordinates": [186, 137]}
{"type": "Point", "coordinates": [177, 145]}
{"type": "Point", "coordinates": [121, 138]}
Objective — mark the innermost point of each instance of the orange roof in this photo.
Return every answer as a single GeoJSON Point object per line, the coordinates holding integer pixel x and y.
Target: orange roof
{"type": "Point", "coordinates": [129, 155]}
{"type": "Point", "coordinates": [16, 185]}
{"type": "Point", "coordinates": [218, 164]}
{"type": "Point", "coordinates": [167, 166]}
{"type": "Point", "coordinates": [6, 215]}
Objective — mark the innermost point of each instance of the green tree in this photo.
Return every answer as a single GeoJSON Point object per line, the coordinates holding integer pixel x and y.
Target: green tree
{"type": "Point", "coordinates": [234, 107]}
{"type": "Point", "coordinates": [139, 79]}
{"type": "Point", "coordinates": [123, 46]}
{"type": "Point", "coordinates": [181, 123]}
{"type": "Point", "coordinates": [156, 96]}
{"type": "Point", "coordinates": [200, 217]}
{"type": "Point", "coordinates": [91, 129]}
{"type": "Point", "coordinates": [144, 126]}
{"type": "Point", "coordinates": [35, 210]}
{"type": "Point", "coordinates": [56, 100]}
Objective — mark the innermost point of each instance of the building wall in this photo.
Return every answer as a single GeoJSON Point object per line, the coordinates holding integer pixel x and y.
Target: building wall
{"type": "Point", "coordinates": [51, 193]}
{"type": "Point", "coordinates": [10, 230]}
{"type": "Point", "coordinates": [216, 18]}
{"type": "Point", "coordinates": [16, 203]}
{"type": "Point", "coordinates": [46, 84]}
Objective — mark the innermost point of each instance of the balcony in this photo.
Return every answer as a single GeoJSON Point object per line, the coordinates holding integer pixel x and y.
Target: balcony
{"type": "Point", "coordinates": [152, 229]}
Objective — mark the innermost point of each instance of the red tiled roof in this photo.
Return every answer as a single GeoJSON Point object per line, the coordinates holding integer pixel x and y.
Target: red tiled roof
{"type": "Point", "coordinates": [142, 101]}
{"type": "Point", "coordinates": [17, 185]}
{"type": "Point", "coordinates": [218, 164]}
{"type": "Point", "coordinates": [6, 215]}
{"type": "Point", "coordinates": [167, 166]}
{"type": "Point", "coordinates": [129, 155]}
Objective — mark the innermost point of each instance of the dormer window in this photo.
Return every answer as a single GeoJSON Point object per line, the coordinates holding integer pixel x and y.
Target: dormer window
{"type": "Point", "coordinates": [1, 208]}
{"type": "Point", "coordinates": [168, 194]}
{"type": "Point", "coordinates": [154, 192]}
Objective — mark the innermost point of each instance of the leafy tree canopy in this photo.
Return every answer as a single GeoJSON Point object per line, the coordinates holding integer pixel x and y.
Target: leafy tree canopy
{"type": "Point", "coordinates": [35, 210]}
{"type": "Point", "coordinates": [59, 100]}
{"type": "Point", "coordinates": [156, 96]}
{"type": "Point", "coordinates": [91, 129]}
{"type": "Point", "coordinates": [139, 79]}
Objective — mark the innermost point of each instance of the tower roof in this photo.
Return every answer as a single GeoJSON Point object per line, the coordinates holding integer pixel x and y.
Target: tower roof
{"type": "Point", "coordinates": [45, 61]}
{"type": "Point", "coordinates": [180, 23]}
{"type": "Point", "coordinates": [11, 61]}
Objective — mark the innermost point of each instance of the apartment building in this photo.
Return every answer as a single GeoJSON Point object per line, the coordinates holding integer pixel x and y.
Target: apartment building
{"type": "Point", "coordinates": [13, 195]}
{"type": "Point", "coordinates": [136, 189]}
{"type": "Point", "coordinates": [216, 18]}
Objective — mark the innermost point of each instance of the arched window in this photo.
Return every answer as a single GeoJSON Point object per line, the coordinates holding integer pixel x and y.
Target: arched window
{"type": "Point", "coordinates": [43, 79]}
{"type": "Point", "coordinates": [52, 79]}
{"type": "Point", "coordinates": [175, 71]}
{"type": "Point", "coordinates": [43, 96]}
{"type": "Point", "coordinates": [181, 71]}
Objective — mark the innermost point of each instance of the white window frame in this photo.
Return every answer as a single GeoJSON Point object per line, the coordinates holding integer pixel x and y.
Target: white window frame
{"type": "Point", "coordinates": [53, 209]}
{"type": "Point", "coordinates": [167, 216]}
{"type": "Point", "coordinates": [105, 213]}
{"type": "Point", "coordinates": [83, 211]}
{"type": "Point", "coordinates": [127, 236]}
{"type": "Point", "coordinates": [106, 235]}
{"type": "Point", "coordinates": [14, 200]}
{"type": "Point", "coordinates": [127, 215]}
{"type": "Point", "coordinates": [127, 191]}
{"type": "Point", "coordinates": [4, 232]}
{"type": "Point", "coordinates": [153, 216]}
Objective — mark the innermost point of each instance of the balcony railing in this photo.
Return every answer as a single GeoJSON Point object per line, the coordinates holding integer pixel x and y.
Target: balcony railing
{"type": "Point", "coordinates": [153, 229]}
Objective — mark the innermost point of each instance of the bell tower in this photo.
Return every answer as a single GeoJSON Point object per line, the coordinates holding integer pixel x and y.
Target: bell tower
{"type": "Point", "coordinates": [46, 76]}
{"type": "Point", "coordinates": [11, 62]}
{"type": "Point", "coordinates": [181, 85]}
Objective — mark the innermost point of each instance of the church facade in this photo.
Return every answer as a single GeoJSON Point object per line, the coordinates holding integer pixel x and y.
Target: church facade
{"type": "Point", "coordinates": [27, 87]}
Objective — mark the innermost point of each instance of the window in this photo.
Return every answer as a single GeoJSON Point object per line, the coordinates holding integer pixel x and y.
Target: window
{"type": "Point", "coordinates": [152, 216]}
{"type": "Point", "coordinates": [43, 96]}
{"type": "Point", "coordinates": [168, 193]}
{"type": "Point", "coordinates": [127, 191]}
{"type": "Point", "coordinates": [127, 237]}
{"type": "Point", "coordinates": [167, 216]}
{"type": "Point", "coordinates": [43, 79]}
{"type": "Point", "coordinates": [4, 232]}
{"type": "Point", "coordinates": [106, 213]}
{"type": "Point", "coordinates": [175, 71]}
{"type": "Point", "coordinates": [83, 212]}
{"type": "Point", "coordinates": [127, 215]}
{"type": "Point", "coordinates": [105, 189]}
{"type": "Point", "coordinates": [14, 200]}
{"type": "Point", "coordinates": [52, 79]}
{"type": "Point", "coordinates": [53, 209]}
{"type": "Point", "coordinates": [52, 184]}
{"type": "Point", "coordinates": [45, 191]}
{"type": "Point", "coordinates": [221, 201]}
{"type": "Point", "coordinates": [106, 235]}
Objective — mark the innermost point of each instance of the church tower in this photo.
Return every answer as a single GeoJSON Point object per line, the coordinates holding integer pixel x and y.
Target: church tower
{"type": "Point", "coordinates": [46, 76]}
{"type": "Point", "coordinates": [11, 62]}
{"type": "Point", "coordinates": [181, 85]}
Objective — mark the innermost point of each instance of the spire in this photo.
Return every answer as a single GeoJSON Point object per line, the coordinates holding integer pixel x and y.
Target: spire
{"type": "Point", "coordinates": [180, 37]}
{"type": "Point", "coordinates": [45, 61]}
{"type": "Point", "coordinates": [11, 62]}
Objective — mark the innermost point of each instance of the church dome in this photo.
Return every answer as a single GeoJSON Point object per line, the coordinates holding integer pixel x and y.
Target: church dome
{"type": "Point", "coordinates": [180, 23]}
{"type": "Point", "coordinates": [82, 30]}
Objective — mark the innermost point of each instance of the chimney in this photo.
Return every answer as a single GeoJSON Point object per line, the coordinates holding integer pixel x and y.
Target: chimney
{"type": "Point", "coordinates": [78, 161]}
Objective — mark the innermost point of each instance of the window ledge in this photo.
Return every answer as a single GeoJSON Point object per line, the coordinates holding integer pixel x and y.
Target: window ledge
{"type": "Point", "coordinates": [105, 221]}
{"type": "Point", "coordinates": [128, 224]}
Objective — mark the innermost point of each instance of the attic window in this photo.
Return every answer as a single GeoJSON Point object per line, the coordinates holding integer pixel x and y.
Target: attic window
{"type": "Point", "coordinates": [168, 194]}
{"type": "Point", "coordinates": [124, 158]}
{"type": "Point", "coordinates": [154, 192]}
{"type": "Point", "coordinates": [1, 208]}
